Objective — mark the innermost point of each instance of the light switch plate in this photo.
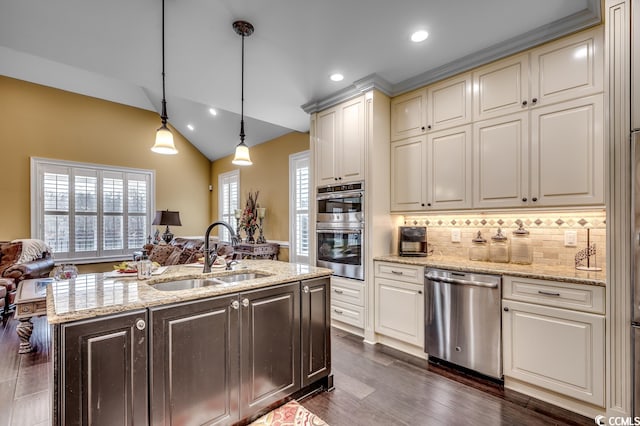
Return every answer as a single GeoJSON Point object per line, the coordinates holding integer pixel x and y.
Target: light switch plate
{"type": "Point", "coordinates": [455, 235]}
{"type": "Point", "coordinates": [570, 238]}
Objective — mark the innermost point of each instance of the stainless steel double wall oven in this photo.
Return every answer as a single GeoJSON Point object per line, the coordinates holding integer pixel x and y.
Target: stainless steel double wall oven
{"type": "Point", "coordinates": [340, 229]}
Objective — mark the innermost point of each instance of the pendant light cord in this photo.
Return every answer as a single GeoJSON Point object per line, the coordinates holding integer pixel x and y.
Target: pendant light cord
{"type": "Point", "coordinates": [164, 101]}
{"type": "Point", "coordinates": [242, 96]}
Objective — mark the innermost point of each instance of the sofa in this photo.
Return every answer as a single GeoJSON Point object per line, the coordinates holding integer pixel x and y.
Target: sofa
{"type": "Point", "coordinates": [183, 250]}
{"type": "Point", "coordinates": [22, 260]}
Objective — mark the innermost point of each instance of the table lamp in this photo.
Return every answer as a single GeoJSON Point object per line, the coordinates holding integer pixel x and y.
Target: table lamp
{"type": "Point", "coordinates": [165, 217]}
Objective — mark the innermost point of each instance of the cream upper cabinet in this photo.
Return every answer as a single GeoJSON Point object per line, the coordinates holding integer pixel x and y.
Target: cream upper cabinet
{"type": "Point", "coordinates": [449, 103]}
{"type": "Point", "coordinates": [568, 68]}
{"type": "Point", "coordinates": [567, 152]}
{"type": "Point", "coordinates": [501, 87]}
{"type": "Point", "coordinates": [408, 115]}
{"type": "Point", "coordinates": [432, 172]}
{"type": "Point", "coordinates": [340, 143]}
{"type": "Point", "coordinates": [408, 174]}
{"type": "Point", "coordinates": [501, 161]}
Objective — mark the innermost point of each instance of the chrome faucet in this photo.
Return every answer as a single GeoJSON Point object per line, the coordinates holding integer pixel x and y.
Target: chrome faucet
{"type": "Point", "coordinates": [209, 257]}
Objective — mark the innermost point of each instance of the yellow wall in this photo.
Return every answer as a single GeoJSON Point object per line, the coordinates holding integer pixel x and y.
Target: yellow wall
{"type": "Point", "coordinates": [269, 174]}
{"type": "Point", "coordinates": [45, 122]}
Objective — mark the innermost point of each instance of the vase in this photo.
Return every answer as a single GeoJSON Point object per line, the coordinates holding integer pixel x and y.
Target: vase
{"type": "Point", "coordinates": [250, 231]}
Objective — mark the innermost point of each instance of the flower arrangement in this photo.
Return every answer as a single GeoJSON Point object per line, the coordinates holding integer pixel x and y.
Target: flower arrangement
{"type": "Point", "coordinates": [249, 218]}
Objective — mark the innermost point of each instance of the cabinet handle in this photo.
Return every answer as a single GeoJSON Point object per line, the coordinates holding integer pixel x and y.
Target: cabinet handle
{"type": "Point", "coordinates": [524, 103]}
{"type": "Point", "coordinates": [245, 302]}
{"type": "Point", "coordinates": [534, 100]}
{"type": "Point", "coordinates": [534, 199]}
{"type": "Point", "coordinates": [524, 199]}
{"type": "Point", "coordinates": [338, 311]}
{"type": "Point", "coordinates": [397, 272]}
{"type": "Point", "coordinates": [140, 324]}
{"type": "Point", "coordinates": [338, 291]}
{"type": "Point", "coordinates": [548, 293]}
{"type": "Point", "coordinates": [235, 304]}
{"type": "Point", "coordinates": [305, 289]}
{"type": "Point", "coordinates": [506, 309]}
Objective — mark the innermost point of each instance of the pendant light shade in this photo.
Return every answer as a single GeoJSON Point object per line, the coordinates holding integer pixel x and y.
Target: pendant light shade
{"type": "Point", "coordinates": [244, 29]}
{"type": "Point", "coordinates": [164, 137]}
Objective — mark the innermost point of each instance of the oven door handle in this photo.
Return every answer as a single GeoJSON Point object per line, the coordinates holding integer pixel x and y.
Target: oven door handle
{"type": "Point", "coordinates": [339, 231]}
{"type": "Point", "coordinates": [339, 195]}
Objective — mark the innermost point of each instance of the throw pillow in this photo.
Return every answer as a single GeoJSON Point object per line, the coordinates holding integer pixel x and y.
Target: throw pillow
{"type": "Point", "coordinates": [161, 253]}
{"type": "Point", "coordinates": [174, 257]}
{"type": "Point", "coordinates": [32, 249]}
{"type": "Point", "coordinates": [10, 253]}
{"type": "Point", "coordinates": [186, 255]}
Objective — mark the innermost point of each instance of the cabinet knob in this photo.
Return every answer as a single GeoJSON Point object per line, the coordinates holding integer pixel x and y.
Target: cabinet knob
{"type": "Point", "coordinates": [419, 291]}
{"type": "Point", "coordinates": [428, 204]}
{"type": "Point", "coordinates": [235, 304]}
{"type": "Point", "coordinates": [429, 127]}
{"type": "Point", "coordinates": [245, 302]}
{"type": "Point", "coordinates": [534, 100]}
{"type": "Point", "coordinates": [534, 199]}
{"type": "Point", "coordinates": [422, 128]}
{"type": "Point", "coordinates": [524, 199]}
{"type": "Point", "coordinates": [305, 289]}
{"type": "Point", "coordinates": [140, 324]}
{"type": "Point", "coordinates": [422, 204]}
{"type": "Point", "coordinates": [524, 103]}
{"type": "Point", "coordinates": [335, 178]}
{"type": "Point", "coordinates": [506, 309]}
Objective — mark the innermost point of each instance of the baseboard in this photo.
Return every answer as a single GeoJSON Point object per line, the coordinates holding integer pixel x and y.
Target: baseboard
{"type": "Point", "coordinates": [407, 348]}
{"type": "Point", "coordinates": [348, 328]}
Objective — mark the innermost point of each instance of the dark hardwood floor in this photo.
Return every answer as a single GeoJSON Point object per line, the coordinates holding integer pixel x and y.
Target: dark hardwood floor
{"type": "Point", "coordinates": [374, 385]}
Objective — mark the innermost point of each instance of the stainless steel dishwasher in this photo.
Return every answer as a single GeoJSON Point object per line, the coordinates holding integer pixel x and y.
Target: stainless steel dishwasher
{"type": "Point", "coordinates": [462, 320]}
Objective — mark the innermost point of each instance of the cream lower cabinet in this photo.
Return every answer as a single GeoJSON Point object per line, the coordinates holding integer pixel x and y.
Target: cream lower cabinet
{"type": "Point", "coordinates": [561, 350]}
{"type": "Point", "coordinates": [347, 302]}
{"type": "Point", "coordinates": [399, 302]}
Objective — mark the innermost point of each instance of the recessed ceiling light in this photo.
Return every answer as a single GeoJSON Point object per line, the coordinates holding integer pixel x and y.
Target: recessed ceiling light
{"type": "Point", "coordinates": [213, 111]}
{"type": "Point", "coordinates": [190, 127]}
{"type": "Point", "coordinates": [419, 36]}
{"type": "Point", "coordinates": [336, 77]}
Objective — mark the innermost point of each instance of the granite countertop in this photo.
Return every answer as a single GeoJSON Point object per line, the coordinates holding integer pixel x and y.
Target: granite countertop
{"type": "Point", "coordinates": [91, 295]}
{"type": "Point", "coordinates": [567, 274]}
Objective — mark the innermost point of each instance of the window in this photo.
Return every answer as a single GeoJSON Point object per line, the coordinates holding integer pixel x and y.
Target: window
{"type": "Point", "coordinates": [299, 208]}
{"type": "Point", "coordinates": [87, 212]}
{"type": "Point", "coordinates": [228, 201]}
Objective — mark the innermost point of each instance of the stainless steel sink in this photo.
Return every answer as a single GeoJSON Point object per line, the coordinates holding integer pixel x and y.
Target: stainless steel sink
{"type": "Point", "coordinates": [223, 280]}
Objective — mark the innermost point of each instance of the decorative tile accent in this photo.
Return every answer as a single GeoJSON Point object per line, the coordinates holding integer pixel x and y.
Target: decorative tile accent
{"type": "Point", "coordinates": [559, 222]}
{"type": "Point", "coordinates": [500, 222]}
{"type": "Point", "coordinates": [582, 222]}
{"type": "Point", "coordinates": [538, 222]}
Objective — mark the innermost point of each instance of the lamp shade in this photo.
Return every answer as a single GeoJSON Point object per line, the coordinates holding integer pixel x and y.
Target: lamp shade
{"type": "Point", "coordinates": [165, 217]}
{"type": "Point", "coordinates": [164, 142]}
{"type": "Point", "coordinates": [242, 155]}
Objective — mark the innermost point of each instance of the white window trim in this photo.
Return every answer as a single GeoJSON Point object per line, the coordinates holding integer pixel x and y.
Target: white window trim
{"type": "Point", "coordinates": [221, 178]}
{"type": "Point", "coordinates": [293, 257]}
{"type": "Point", "coordinates": [37, 204]}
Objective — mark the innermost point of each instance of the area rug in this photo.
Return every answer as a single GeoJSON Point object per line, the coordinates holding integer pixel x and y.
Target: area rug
{"type": "Point", "coordinates": [290, 414]}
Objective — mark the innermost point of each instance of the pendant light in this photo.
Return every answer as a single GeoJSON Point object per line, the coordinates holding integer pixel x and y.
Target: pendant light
{"type": "Point", "coordinates": [244, 29]}
{"type": "Point", "coordinates": [164, 137]}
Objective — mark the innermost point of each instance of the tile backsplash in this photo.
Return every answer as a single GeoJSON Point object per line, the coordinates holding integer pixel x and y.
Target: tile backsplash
{"type": "Point", "coordinates": [546, 230]}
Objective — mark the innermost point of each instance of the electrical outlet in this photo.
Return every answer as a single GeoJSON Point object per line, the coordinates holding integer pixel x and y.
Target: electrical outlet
{"type": "Point", "coordinates": [570, 238]}
{"type": "Point", "coordinates": [455, 235]}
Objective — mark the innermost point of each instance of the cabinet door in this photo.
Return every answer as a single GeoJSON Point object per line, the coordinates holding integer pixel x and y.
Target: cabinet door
{"type": "Point", "coordinates": [194, 363]}
{"type": "Point", "coordinates": [449, 103]}
{"type": "Point", "coordinates": [325, 153]}
{"type": "Point", "coordinates": [449, 174]}
{"type": "Point", "coordinates": [270, 346]}
{"type": "Point", "coordinates": [104, 371]}
{"type": "Point", "coordinates": [501, 88]}
{"type": "Point", "coordinates": [500, 155]}
{"type": "Point", "coordinates": [567, 146]}
{"type": "Point", "coordinates": [316, 332]}
{"type": "Point", "coordinates": [556, 349]}
{"type": "Point", "coordinates": [350, 149]}
{"type": "Point", "coordinates": [567, 69]}
{"type": "Point", "coordinates": [400, 310]}
{"type": "Point", "coordinates": [409, 174]}
{"type": "Point", "coordinates": [408, 115]}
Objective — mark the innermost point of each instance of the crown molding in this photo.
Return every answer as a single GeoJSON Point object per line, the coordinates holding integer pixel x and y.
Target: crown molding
{"type": "Point", "coordinates": [358, 87]}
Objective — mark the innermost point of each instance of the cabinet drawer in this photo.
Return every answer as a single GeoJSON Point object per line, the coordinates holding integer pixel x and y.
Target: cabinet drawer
{"type": "Point", "coordinates": [347, 313]}
{"type": "Point", "coordinates": [396, 271]}
{"type": "Point", "coordinates": [578, 297]}
{"type": "Point", "coordinates": [349, 291]}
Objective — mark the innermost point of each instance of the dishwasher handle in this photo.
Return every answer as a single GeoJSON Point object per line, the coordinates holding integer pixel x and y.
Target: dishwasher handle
{"type": "Point", "coordinates": [461, 282]}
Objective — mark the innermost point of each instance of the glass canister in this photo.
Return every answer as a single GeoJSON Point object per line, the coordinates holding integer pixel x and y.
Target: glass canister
{"type": "Point", "coordinates": [521, 249]}
{"type": "Point", "coordinates": [479, 249]}
{"type": "Point", "coordinates": [144, 266]}
{"type": "Point", "coordinates": [499, 248]}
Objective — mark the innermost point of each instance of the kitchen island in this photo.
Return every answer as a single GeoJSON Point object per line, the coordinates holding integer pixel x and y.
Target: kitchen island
{"type": "Point", "coordinates": [128, 353]}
